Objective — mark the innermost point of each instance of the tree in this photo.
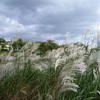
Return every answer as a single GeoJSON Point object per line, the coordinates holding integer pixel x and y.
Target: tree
{"type": "Point", "coordinates": [17, 45]}
{"type": "Point", "coordinates": [2, 41]}
{"type": "Point", "coordinates": [45, 46]}
{"type": "Point", "coordinates": [52, 45]}
{"type": "Point", "coordinates": [2, 44]}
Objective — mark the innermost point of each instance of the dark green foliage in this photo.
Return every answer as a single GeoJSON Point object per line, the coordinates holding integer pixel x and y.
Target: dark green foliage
{"type": "Point", "coordinates": [3, 44]}
{"type": "Point", "coordinates": [2, 40]}
{"type": "Point", "coordinates": [45, 46]}
{"type": "Point", "coordinates": [17, 45]}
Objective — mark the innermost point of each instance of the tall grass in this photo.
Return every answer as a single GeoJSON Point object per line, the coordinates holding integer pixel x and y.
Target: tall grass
{"type": "Point", "coordinates": [71, 72]}
{"type": "Point", "coordinates": [30, 84]}
{"type": "Point", "coordinates": [33, 84]}
{"type": "Point", "coordinates": [89, 86]}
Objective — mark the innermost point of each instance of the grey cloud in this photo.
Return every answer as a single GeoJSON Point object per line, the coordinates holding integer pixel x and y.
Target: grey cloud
{"type": "Point", "coordinates": [50, 17]}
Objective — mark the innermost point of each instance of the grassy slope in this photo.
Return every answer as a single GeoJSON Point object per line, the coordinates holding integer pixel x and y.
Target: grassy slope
{"type": "Point", "coordinates": [32, 84]}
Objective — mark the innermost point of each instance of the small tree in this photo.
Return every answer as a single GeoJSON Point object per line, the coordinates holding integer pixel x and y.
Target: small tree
{"type": "Point", "coordinates": [17, 45]}
{"type": "Point", "coordinates": [2, 44]}
{"type": "Point", "coordinates": [2, 40]}
{"type": "Point", "coordinates": [45, 46]}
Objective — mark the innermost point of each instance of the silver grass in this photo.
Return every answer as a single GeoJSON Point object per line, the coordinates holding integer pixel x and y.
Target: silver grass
{"type": "Point", "coordinates": [59, 52]}
{"type": "Point", "coordinates": [58, 62]}
{"type": "Point", "coordinates": [50, 97]}
{"type": "Point", "coordinates": [15, 38]}
{"type": "Point", "coordinates": [67, 79]}
{"type": "Point", "coordinates": [60, 43]}
{"type": "Point", "coordinates": [98, 60]}
{"type": "Point", "coordinates": [93, 39]}
{"type": "Point", "coordinates": [27, 46]}
{"type": "Point", "coordinates": [90, 46]}
{"type": "Point", "coordinates": [67, 34]}
{"type": "Point", "coordinates": [98, 92]}
{"type": "Point", "coordinates": [70, 85]}
{"type": "Point", "coordinates": [67, 74]}
{"type": "Point", "coordinates": [64, 88]}
{"type": "Point", "coordinates": [11, 58]}
{"type": "Point", "coordinates": [85, 33]}
{"type": "Point", "coordinates": [67, 37]}
{"type": "Point", "coordinates": [8, 66]}
{"type": "Point", "coordinates": [95, 57]}
{"type": "Point", "coordinates": [31, 34]}
{"type": "Point", "coordinates": [94, 73]}
{"type": "Point", "coordinates": [55, 53]}
{"type": "Point", "coordinates": [19, 33]}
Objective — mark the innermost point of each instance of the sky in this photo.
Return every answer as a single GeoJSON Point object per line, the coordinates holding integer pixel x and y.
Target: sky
{"type": "Point", "coordinates": [49, 19]}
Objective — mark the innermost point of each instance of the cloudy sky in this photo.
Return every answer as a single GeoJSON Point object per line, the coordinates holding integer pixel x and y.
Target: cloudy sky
{"type": "Point", "coordinates": [49, 19]}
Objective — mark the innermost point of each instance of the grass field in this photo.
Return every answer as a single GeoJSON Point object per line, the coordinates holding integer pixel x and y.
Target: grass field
{"type": "Point", "coordinates": [70, 73]}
